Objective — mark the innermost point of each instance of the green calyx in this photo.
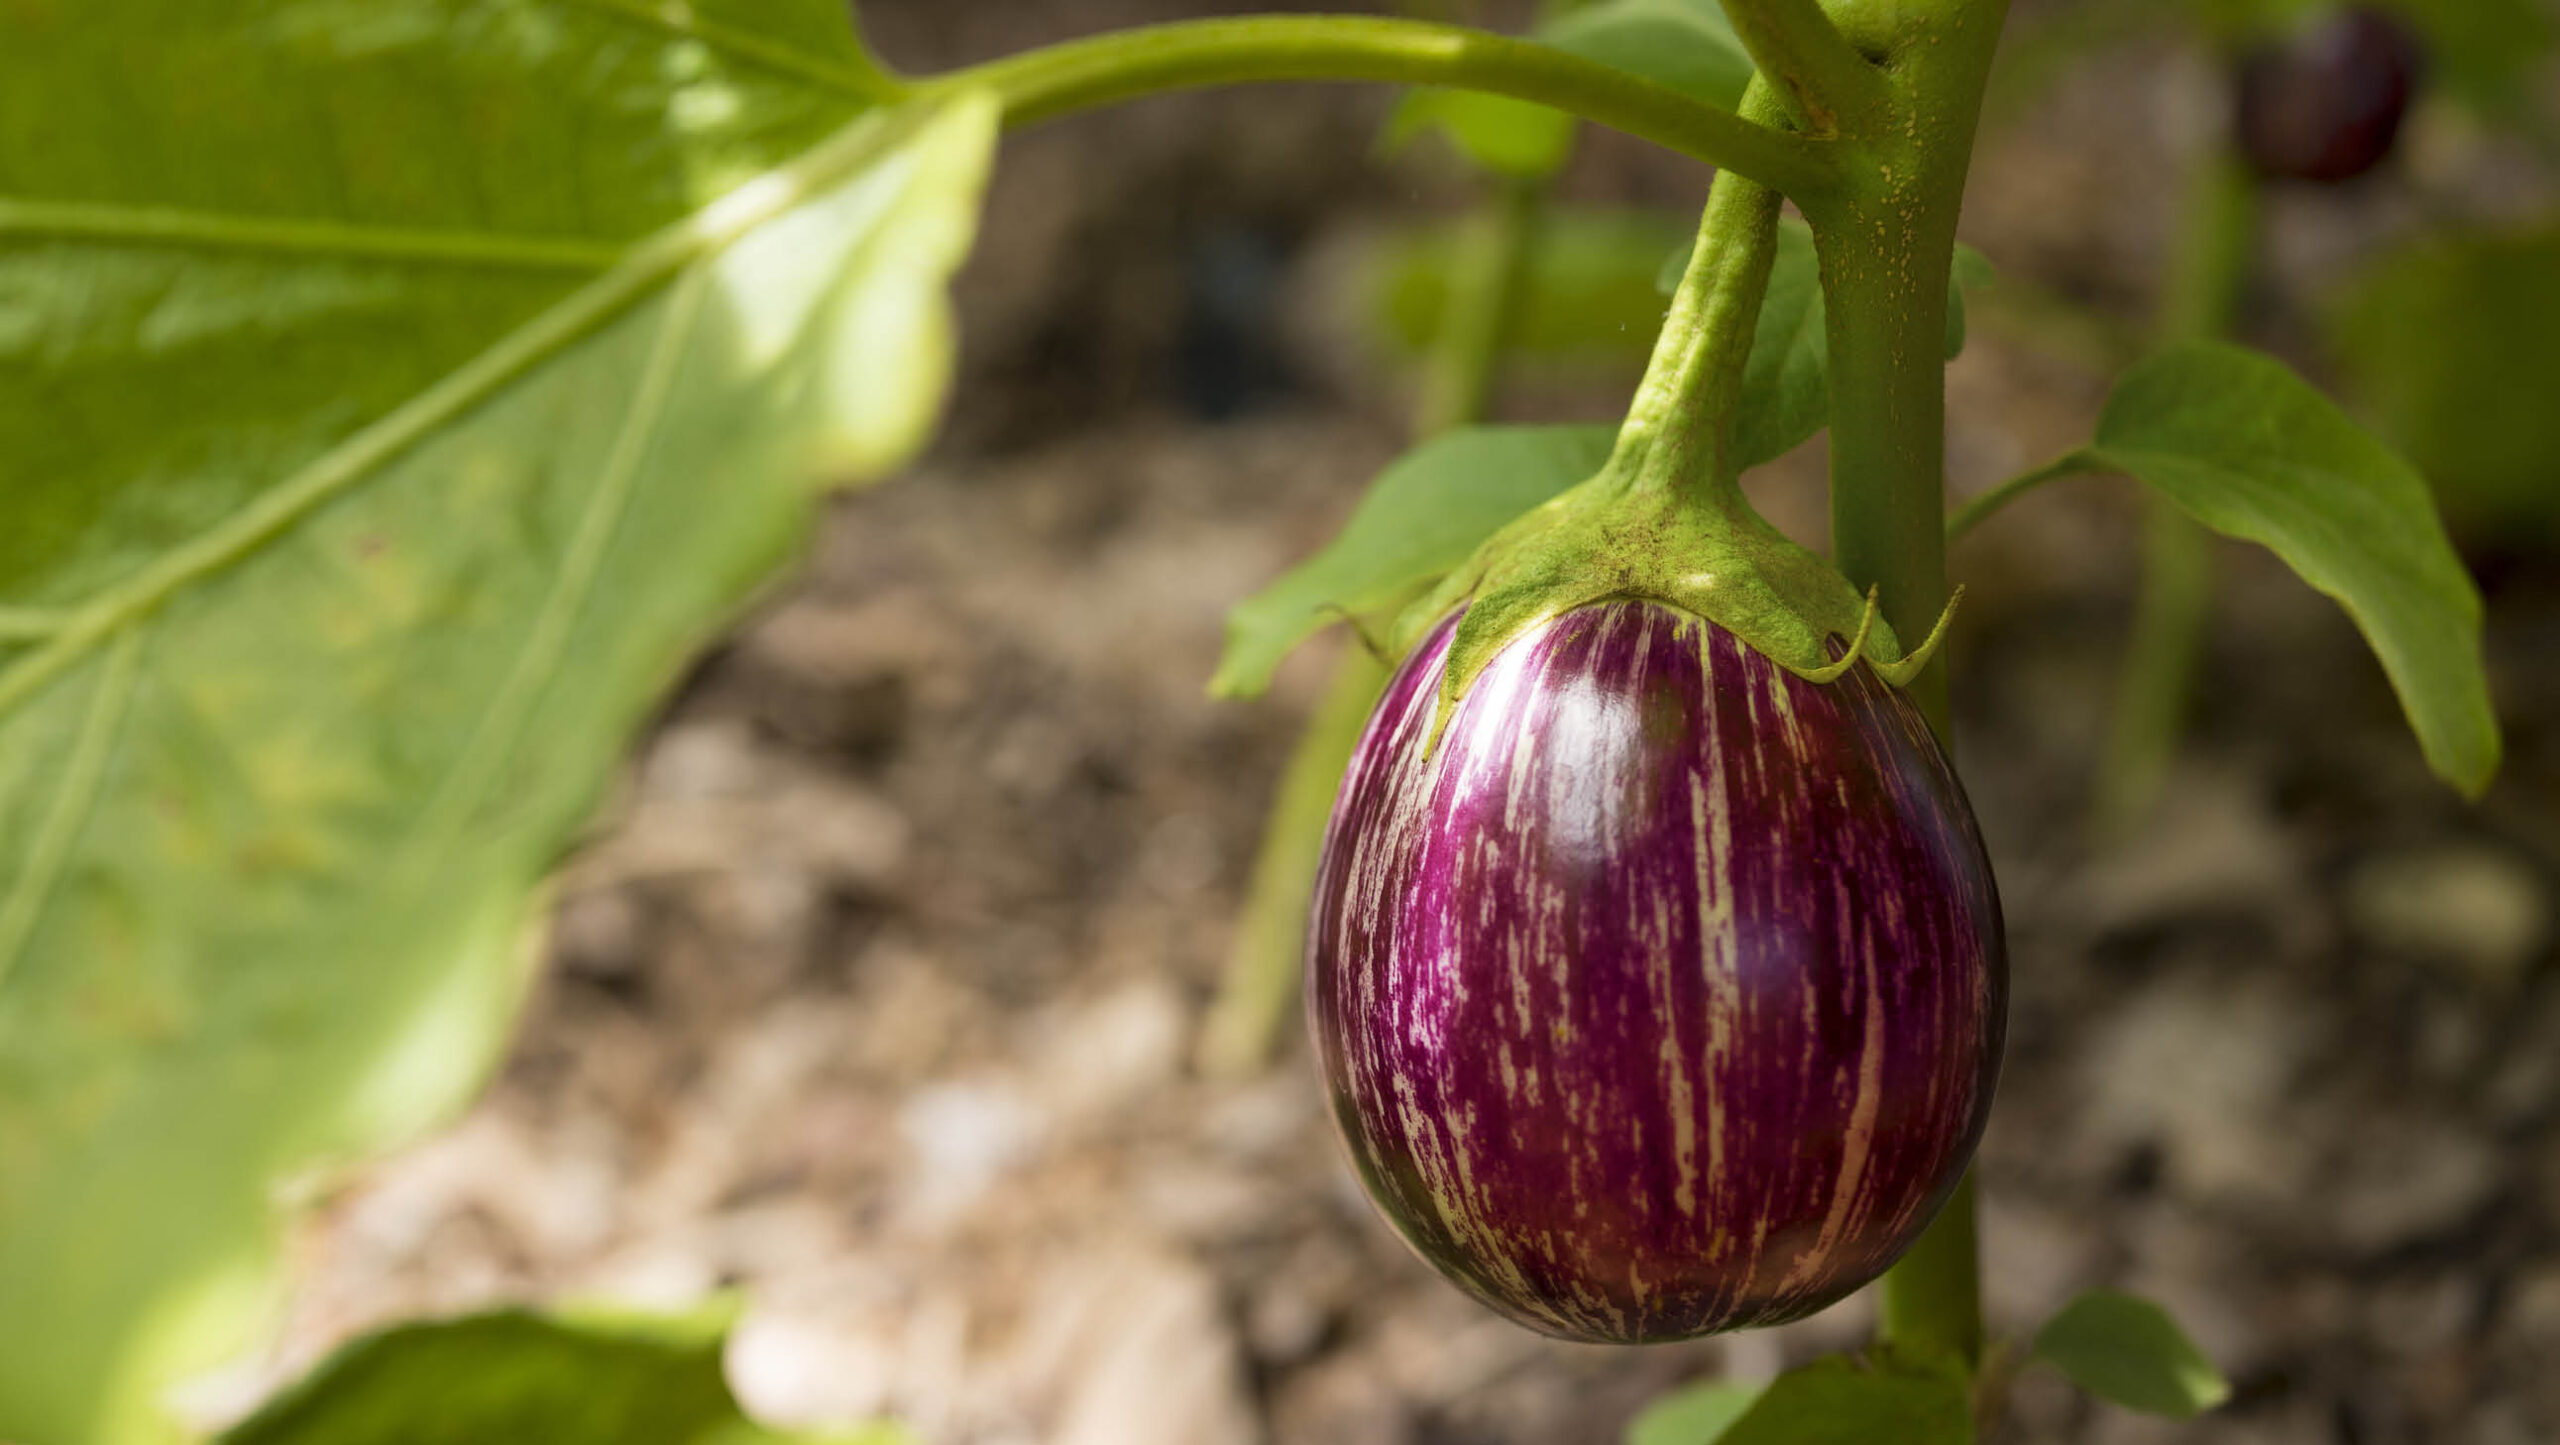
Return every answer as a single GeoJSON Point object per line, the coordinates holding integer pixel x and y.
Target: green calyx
{"type": "Point", "coordinates": [1623, 535]}
{"type": "Point", "coordinates": [1665, 519]}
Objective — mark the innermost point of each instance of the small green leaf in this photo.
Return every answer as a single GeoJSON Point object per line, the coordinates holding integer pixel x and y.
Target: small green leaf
{"type": "Point", "coordinates": [2253, 451]}
{"type": "Point", "coordinates": [1588, 293]}
{"type": "Point", "coordinates": [516, 1376]}
{"type": "Point", "coordinates": [2126, 1349]}
{"type": "Point", "coordinates": [1786, 387]}
{"type": "Point", "coordinates": [1423, 515]}
{"type": "Point", "coordinates": [1506, 136]}
{"type": "Point", "coordinates": [1837, 1401]}
{"type": "Point", "coordinates": [2452, 344]}
{"type": "Point", "coordinates": [1697, 1415]}
{"type": "Point", "coordinates": [1687, 45]}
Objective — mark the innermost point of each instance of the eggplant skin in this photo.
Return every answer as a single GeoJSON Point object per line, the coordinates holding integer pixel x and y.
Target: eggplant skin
{"type": "Point", "coordinates": [1665, 996]}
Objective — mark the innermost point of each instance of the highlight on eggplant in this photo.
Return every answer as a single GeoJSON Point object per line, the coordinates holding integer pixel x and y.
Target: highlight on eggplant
{"type": "Point", "coordinates": [1664, 994]}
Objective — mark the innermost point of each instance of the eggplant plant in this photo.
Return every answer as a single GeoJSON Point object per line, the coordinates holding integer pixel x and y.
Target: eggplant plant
{"type": "Point", "coordinates": [399, 393]}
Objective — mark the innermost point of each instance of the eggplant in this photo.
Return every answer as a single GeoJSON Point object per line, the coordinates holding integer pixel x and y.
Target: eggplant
{"type": "Point", "coordinates": [1661, 991]}
{"type": "Point", "coordinates": [2325, 103]}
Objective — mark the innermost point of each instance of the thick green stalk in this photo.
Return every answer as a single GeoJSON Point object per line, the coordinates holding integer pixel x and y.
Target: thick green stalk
{"type": "Point", "coordinates": [1122, 65]}
{"type": "Point", "coordinates": [1887, 239]}
{"type": "Point", "coordinates": [2153, 689]}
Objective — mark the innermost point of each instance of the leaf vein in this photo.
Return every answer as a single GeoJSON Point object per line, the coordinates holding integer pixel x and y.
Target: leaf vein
{"type": "Point", "coordinates": [642, 270]}
{"type": "Point", "coordinates": [72, 800]}
{"type": "Point", "coordinates": [580, 564]}
{"type": "Point", "coordinates": [213, 230]}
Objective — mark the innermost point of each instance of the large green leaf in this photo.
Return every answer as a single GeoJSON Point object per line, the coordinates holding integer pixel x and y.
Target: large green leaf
{"type": "Point", "coordinates": [1423, 515]}
{"type": "Point", "coordinates": [2126, 1349]}
{"type": "Point", "coordinates": [2453, 344]}
{"type": "Point", "coordinates": [394, 393]}
{"type": "Point", "coordinates": [516, 1376]}
{"type": "Point", "coordinates": [1786, 384]}
{"type": "Point", "coordinates": [2253, 451]}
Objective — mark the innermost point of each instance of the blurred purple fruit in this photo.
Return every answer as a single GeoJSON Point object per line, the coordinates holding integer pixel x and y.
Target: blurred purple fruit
{"type": "Point", "coordinates": [2325, 103]}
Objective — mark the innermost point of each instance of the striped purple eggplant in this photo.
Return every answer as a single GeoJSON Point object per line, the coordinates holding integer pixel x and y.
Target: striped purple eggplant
{"type": "Point", "coordinates": [1665, 995]}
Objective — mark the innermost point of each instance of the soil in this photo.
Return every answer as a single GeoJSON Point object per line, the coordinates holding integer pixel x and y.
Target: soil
{"type": "Point", "coordinates": [876, 995]}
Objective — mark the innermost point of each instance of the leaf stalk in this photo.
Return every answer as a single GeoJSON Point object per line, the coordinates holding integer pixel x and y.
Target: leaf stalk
{"type": "Point", "coordinates": [1078, 75]}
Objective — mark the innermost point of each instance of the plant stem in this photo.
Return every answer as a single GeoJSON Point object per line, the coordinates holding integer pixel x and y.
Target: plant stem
{"type": "Point", "coordinates": [1483, 301]}
{"type": "Point", "coordinates": [1057, 80]}
{"type": "Point", "coordinates": [1264, 963]}
{"type": "Point", "coordinates": [1932, 1297]}
{"type": "Point", "coordinates": [1974, 513]}
{"type": "Point", "coordinates": [1887, 240]}
{"type": "Point", "coordinates": [2158, 675]}
{"type": "Point", "coordinates": [1678, 433]}
{"type": "Point", "coordinates": [1260, 984]}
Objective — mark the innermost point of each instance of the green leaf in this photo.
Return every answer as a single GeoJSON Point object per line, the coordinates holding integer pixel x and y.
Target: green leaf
{"type": "Point", "coordinates": [1588, 294]}
{"type": "Point", "coordinates": [2451, 344]}
{"type": "Point", "coordinates": [513, 1375]}
{"type": "Point", "coordinates": [2253, 451]}
{"type": "Point", "coordinates": [397, 393]}
{"type": "Point", "coordinates": [1697, 1415]}
{"type": "Point", "coordinates": [2122, 1348]}
{"type": "Point", "coordinates": [1786, 387]}
{"type": "Point", "coordinates": [1836, 1401]}
{"type": "Point", "coordinates": [1687, 45]}
{"type": "Point", "coordinates": [1502, 135]}
{"type": "Point", "coordinates": [1423, 515]}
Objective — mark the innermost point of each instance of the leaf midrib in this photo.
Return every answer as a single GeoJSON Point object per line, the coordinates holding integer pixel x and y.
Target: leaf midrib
{"type": "Point", "coordinates": [644, 267]}
{"type": "Point", "coordinates": [295, 236]}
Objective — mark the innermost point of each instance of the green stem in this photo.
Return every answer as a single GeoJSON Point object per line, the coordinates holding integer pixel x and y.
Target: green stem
{"type": "Point", "coordinates": [1821, 75]}
{"type": "Point", "coordinates": [1932, 1297]}
{"type": "Point", "coordinates": [2176, 600]}
{"type": "Point", "coordinates": [1887, 241]}
{"type": "Point", "coordinates": [1678, 433]}
{"type": "Point", "coordinates": [1974, 513]}
{"type": "Point", "coordinates": [2157, 677]}
{"type": "Point", "coordinates": [1264, 963]}
{"type": "Point", "coordinates": [1260, 984]}
{"type": "Point", "coordinates": [1485, 284]}
{"type": "Point", "coordinates": [1057, 80]}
